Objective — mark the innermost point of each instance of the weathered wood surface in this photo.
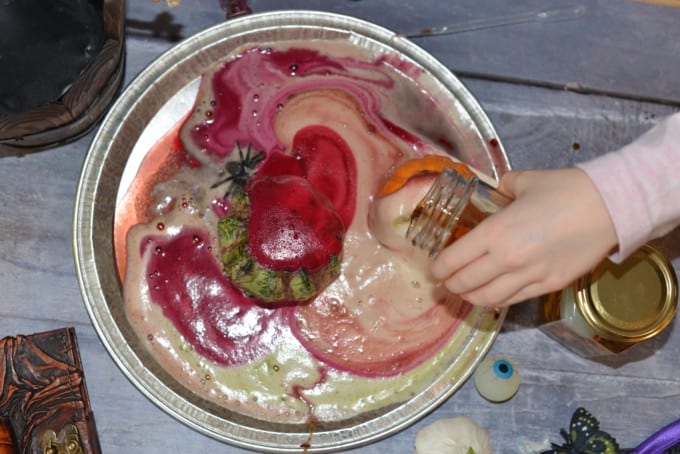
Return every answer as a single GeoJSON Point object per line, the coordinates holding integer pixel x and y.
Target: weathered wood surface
{"type": "Point", "coordinates": [628, 48]}
{"type": "Point", "coordinates": [624, 47]}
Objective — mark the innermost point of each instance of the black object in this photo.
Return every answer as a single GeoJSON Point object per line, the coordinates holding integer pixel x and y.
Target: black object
{"type": "Point", "coordinates": [60, 66]}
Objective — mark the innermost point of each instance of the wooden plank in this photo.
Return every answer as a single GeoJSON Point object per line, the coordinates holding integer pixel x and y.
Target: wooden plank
{"type": "Point", "coordinates": [626, 47]}
{"type": "Point", "coordinates": [542, 127]}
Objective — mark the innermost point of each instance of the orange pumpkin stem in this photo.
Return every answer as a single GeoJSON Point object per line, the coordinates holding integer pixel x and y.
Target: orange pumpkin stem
{"type": "Point", "coordinates": [421, 166]}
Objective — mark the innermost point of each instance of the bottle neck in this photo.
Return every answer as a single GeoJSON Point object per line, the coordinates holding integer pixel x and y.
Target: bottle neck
{"type": "Point", "coordinates": [454, 205]}
{"type": "Point", "coordinates": [436, 218]}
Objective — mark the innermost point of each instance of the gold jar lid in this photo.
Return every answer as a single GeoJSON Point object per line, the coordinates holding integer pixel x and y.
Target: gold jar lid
{"type": "Point", "coordinates": [631, 301]}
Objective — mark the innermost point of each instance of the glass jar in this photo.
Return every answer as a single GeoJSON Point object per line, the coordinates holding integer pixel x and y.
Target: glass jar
{"type": "Point", "coordinates": [615, 306]}
{"type": "Point", "coordinates": [453, 206]}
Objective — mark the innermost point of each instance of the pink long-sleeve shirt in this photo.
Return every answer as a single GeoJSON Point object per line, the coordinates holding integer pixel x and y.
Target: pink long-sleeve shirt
{"type": "Point", "coordinates": [640, 185]}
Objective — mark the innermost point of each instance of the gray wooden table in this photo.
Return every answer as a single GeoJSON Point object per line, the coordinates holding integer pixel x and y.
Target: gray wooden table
{"type": "Point", "coordinates": [558, 91]}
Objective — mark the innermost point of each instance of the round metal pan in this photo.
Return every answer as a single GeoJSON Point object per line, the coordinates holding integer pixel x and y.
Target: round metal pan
{"type": "Point", "coordinates": [151, 104]}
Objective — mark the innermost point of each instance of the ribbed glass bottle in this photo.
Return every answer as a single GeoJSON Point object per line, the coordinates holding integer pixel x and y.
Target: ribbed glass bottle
{"type": "Point", "coordinates": [453, 206]}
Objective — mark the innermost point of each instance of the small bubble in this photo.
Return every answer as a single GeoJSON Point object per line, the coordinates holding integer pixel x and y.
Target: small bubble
{"type": "Point", "coordinates": [256, 98]}
{"type": "Point", "coordinates": [158, 250]}
{"type": "Point", "coordinates": [150, 337]}
{"type": "Point", "coordinates": [293, 68]}
{"type": "Point", "coordinates": [213, 103]}
{"type": "Point", "coordinates": [197, 239]}
{"type": "Point", "coordinates": [208, 377]}
{"type": "Point", "coordinates": [254, 113]}
{"type": "Point", "coordinates": [415, 284]}
{"type": "Point", "coordinates": [279, 107]}
{"type": "Point", "coordinates": [160, 226]}
{"type": "Point", "coordinates": [209, 113]}
{"type": "Point", "coordinates": [275, 367]}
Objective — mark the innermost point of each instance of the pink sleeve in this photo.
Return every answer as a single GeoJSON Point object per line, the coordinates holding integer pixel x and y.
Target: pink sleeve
{"type": "Point", "coordinates": [640, 185]}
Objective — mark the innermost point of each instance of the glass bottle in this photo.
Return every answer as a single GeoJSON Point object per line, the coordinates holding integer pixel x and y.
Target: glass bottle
{"type": "Point", "coordinates": [453, 206]}
{"type": "Point", "coordinates": [615, 306]}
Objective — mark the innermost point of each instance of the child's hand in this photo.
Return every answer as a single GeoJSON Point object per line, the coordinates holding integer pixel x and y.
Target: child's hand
{"type": "Point", "coordinates": [556, 230]}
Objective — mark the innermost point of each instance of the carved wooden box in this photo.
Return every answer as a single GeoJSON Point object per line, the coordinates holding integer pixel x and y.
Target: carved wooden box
{"type": "Point", "coordinates": [44, 406]}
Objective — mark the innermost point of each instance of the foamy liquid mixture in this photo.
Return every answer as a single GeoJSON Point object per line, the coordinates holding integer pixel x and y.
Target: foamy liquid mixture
{"type": "Point", "coordinates": [378, 334]}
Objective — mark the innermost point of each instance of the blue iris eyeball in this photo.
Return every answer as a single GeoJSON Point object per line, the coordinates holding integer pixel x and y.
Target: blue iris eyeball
{"type": "Point", "coordinates": [496, 379]}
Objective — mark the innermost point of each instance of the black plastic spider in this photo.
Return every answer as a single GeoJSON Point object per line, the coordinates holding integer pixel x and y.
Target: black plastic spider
{"type": "Point", "coordinates": [239, 171]}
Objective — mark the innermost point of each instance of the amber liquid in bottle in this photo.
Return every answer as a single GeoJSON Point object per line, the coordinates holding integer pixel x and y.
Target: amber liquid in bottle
{"type": "Point", "coordinates": [453, 206]}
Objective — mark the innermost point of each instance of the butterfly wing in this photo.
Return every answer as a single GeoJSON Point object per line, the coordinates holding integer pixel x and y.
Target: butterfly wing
{"type": "Point", "coordinates": [585, 437]}
{"type": "Point", "coordinates": [583, 426]}
{"type": "Point", "coordinates": [601, 443]}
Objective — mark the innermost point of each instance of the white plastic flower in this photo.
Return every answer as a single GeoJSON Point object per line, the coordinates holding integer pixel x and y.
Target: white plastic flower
{"type": "Point", "coordinates": [459, 435]}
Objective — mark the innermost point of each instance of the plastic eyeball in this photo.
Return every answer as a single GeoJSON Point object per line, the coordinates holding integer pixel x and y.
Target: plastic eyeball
{"type": "Point", "coordinates": [496, 379]}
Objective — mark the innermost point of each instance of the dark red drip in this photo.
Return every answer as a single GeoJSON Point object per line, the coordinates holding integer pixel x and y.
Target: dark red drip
{"type": "Point", "coordinates": [297, 392]}
{"type": "Point", "coordinates": [403, 134]}
{"type": "Point", "coordinates": [448, 146]}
